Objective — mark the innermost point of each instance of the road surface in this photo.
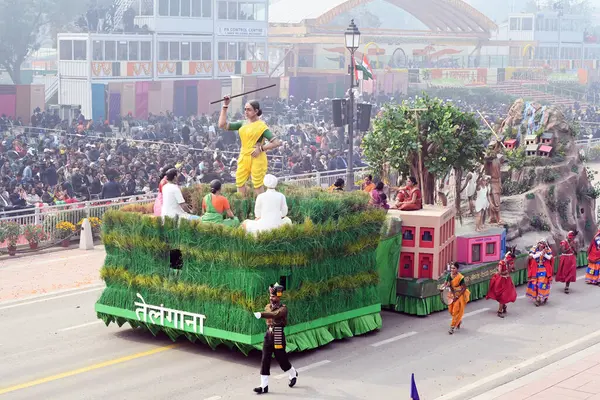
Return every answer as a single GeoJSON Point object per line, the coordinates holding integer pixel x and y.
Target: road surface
{"type": "Point", "coordinates": [53, 347]}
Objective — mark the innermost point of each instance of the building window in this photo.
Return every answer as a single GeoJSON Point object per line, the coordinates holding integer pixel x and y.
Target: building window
{"type": "Point", "coordinates": [174, 51]}
{"type": "Point", "coordinates": [222, 10]}
{"type": "Point", "coordinates": [174, 8]}
{"type": "Point", "coordinates": [242, 51]}
{"type": "Point", "coordinates": [185, 51]}
{"type": "Point", "coordinates": [231, 10]}
{"type": "Point", "coordinates": [527, 24]}
{"type": "Point", "coordinates": [222, 51]}
{"type": "Point", "coordinates": [163, 8]}
{"type": "Point", "coordinates": [245, 11]}
{"type": "Point", "coordinates": [146, 51]}
{"type": "Point", "coordinates": [122, 51]}
{"type": "Point", "coordinates": [66, 50]}
{"type": "Point", "coordinates": [79, 50]}
{"type": "Point", "coordinates": [134, 51]}
{"type": "Point", "coordinates": [110, 50]}
{"type": "Point", "coordinates": [232, 51]}
{"type": "Point", "coordinates": [514, 24]}
{"type": "Point", "coordinates": [185, 8]}
{"type": "Point", "coordinates": [163, 51]}
{"type": "Point", "coordinates": [476, 253]}
{"type": "Point", "coordinates": [206, 51]}
{"type": "Point", "coordinates": [201, 8]}
{"type": "Point", "coordinates": [259, 12]}
{"type": "Point", "coordinates": [98, 50]}
{"type": "Point", "coordinates": [490, 249]}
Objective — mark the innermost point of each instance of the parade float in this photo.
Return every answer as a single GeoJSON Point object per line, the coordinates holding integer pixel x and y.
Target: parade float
{"type": "Point", "coordinates": [204, 281]}
{"type": "Point", "coordinates": [539, 188]}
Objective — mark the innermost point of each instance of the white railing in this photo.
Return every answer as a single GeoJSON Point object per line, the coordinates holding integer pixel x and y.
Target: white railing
{"type": "Point", "coordinates": [324, 179]}
{"type": "Point", "coordinates": [49, 216]}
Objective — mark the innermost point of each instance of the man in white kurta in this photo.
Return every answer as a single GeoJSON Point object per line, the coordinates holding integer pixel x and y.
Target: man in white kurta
{"type": "Point", "coordinates": [270, 209]}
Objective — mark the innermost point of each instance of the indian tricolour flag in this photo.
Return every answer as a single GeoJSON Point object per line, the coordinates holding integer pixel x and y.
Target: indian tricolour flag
{"type": "Point", "coordinates": [363, 71]}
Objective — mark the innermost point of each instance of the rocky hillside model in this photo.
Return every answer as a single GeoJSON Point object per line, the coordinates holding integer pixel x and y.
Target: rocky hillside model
{"type": "Point", "coordinates": [546, 191]}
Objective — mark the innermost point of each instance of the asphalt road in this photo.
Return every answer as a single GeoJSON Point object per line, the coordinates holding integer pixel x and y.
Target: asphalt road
{"type": "Point", "coordinates": [53, 347]}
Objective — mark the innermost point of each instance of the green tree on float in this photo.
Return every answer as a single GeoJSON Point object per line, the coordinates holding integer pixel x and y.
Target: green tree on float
{"type": "Point", "coordinates": [24, 24]}
{"type": "Point", "coordinates": [446, 139]}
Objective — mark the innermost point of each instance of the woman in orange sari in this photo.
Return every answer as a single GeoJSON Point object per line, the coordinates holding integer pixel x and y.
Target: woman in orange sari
{"type": "Point", "coordinates": [539, 273]}
{"type": "Point", "coordinates": [409, 197]}
{"type": "Point", "coordinates": [592, 275]}
{"type": "Point", "coordinates": [456, 282]}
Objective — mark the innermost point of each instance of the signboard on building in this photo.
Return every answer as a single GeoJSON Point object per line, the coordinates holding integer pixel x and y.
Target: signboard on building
{"type": "Point", "coordinates": [241, 31]}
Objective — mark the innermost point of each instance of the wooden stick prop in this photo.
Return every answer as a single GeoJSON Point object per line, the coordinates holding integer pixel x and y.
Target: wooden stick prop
{"type": "Point", "coordinates": [245, 93]}
{"type": "Point", "coordinates": [491, 129]}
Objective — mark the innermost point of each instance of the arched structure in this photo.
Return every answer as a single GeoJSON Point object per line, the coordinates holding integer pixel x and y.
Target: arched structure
{"type": "Point", "coordinates": [451, 16]}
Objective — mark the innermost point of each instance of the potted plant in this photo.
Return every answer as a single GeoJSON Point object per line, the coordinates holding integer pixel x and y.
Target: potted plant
{"type": "Point", "coordinates": [34, 234]}
{"type": "Point", "coordinates": [12, 231]}
{"type": "Point", "coordinates": [64, 231]}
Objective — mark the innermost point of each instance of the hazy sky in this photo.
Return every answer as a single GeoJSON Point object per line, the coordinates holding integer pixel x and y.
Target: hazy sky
{"type": "Point", "coordinates": [498, 10]}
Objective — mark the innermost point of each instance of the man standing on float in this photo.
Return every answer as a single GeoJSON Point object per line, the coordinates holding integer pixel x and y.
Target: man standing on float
{"type": "Point", "coordinates": [253, 133]}
{"type": "Point", "coordinates": [276, 317]}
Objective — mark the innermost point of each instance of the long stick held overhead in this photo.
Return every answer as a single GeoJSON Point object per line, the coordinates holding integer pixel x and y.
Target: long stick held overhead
{"type": "Point", "coordinates": [245, 93]}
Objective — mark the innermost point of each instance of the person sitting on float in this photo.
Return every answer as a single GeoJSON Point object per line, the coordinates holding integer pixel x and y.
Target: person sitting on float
{"type": "Point", "coordinates": [338, 186]}
{"type": "Point", "coordinates": [270, 209]}
{"type": "Point", "coordinates": [163, 181]}
{"type": "Point", "coordinates": [174, 204]}
{"type": "Point", "coordinates": [378, 198]}
{"type": "Point", "coordinates": [368, 185]}
{"type": "Point", "coordinates": [214, 205]}
{"type": "Point", "coordinates": [414, 200]}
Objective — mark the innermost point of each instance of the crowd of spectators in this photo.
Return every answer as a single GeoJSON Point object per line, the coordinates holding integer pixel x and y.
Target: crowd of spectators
{"type": "Point", "coordinates": [54, 161]}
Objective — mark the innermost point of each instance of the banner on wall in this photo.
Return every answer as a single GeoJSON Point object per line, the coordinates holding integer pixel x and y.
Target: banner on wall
{"type": "Point", "coordinates": [241, 31]}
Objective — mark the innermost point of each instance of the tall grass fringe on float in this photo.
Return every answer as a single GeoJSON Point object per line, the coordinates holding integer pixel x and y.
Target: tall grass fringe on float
{"type": "Point", "coordinates": [339, 264]}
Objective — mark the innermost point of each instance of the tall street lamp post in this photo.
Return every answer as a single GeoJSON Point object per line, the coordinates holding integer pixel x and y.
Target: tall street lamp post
{"type": "Point", "coordinates": [352, 36]}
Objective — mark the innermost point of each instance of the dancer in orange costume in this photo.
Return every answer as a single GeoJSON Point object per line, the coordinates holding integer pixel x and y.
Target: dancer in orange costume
{"type": "Point", "coordinates": [456, 281]}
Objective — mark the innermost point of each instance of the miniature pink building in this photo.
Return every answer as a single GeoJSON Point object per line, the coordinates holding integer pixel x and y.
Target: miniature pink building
{"type": "Point", "coordinates": [511, 144]}
{"type": "Point", "coordinates": [481, 247]}
{"type": "Point", "coordinates": [427, 241]}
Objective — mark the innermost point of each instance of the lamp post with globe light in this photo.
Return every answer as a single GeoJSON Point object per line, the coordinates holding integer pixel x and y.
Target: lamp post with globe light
{"type": "Point", "coordinates": [352, 36]}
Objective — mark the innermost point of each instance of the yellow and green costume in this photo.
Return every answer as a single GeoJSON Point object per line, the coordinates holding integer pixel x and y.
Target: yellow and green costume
{"type": "Point", "coordinates": [251, 134]}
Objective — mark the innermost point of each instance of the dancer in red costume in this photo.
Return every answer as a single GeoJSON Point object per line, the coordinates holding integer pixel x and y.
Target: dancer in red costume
{"type": "Point", "coordinates": [502, 289]}
{"type": "Point", "coordinates": [567, 267]}
{"type": "Point", "coordinates": [592, 275]}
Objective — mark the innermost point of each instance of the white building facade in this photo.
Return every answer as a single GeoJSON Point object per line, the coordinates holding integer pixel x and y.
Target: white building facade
{"type": "Point", "coordinates": [174, 40]}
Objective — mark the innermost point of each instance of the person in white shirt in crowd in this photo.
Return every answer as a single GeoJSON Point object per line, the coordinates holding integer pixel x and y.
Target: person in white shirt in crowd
{"type": "Point", "coordinates": [174, 204]}
{"type": "Point", "coordinates": [270, 209]}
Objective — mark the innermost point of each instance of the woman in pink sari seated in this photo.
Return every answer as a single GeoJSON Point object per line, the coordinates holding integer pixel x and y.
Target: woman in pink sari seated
{"type": "Point", "coordinates": [159, 199]}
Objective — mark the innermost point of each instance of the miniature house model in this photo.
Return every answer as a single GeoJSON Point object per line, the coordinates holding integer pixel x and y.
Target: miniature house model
{"type": "Point", "coordinates": [511, 144]}
{"type": "Point", "coordinates": [531, 150]}
{"type": "Point", "coordinates": [545, 151]}
{"type": "Point", "coordinates": [427, 242]}
{"type": "Point", "coordinates": [481, 247]}
{"type": "Point", "coordinates": [530, 140]}
{"type": "Point", "coordinates": [547, 139]}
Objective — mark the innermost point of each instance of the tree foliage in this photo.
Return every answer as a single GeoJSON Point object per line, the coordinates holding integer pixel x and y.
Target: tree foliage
{"type": "Point", "coordinates": [24, 24]}
{"type": "Point", "coordinates": [446, 138]}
